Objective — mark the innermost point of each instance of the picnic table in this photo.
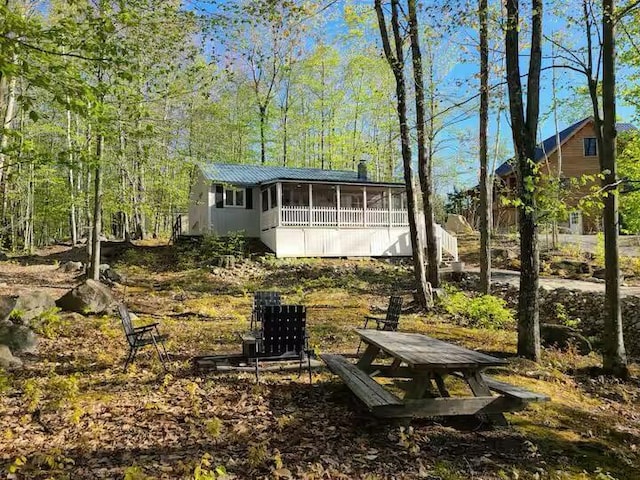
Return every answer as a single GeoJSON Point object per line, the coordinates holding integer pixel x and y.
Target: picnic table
{"type": "Point", "coordinates": [425, 361]}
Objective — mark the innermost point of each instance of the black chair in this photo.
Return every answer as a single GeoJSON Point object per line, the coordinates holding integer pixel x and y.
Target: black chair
{"type": "Point", "coordinates": [138, 337]}
{"type": "Point", "coordinates": [282, 336]}
{"type": "Point", "coordinates": [391, 320]}
{"type": "Point", "coordinates": [260, 300]}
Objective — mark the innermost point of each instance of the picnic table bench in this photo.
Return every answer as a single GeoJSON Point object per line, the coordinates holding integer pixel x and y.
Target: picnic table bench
{"type": "Point", "coordinates": [424, 360]}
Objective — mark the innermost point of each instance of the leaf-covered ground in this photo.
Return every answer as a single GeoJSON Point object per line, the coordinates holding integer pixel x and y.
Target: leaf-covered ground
{"type": "Point", "coordinates": [72, 412]}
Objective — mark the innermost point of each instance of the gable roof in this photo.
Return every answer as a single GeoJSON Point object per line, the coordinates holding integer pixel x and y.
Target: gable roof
{"type": "Point", "coordinates": [248, 175]}
{"type": "Point", "coordinates": [549, 145]}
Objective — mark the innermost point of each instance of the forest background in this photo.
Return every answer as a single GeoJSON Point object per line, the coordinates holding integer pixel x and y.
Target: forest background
{"type": "Point", "coordinates": [123, 100]}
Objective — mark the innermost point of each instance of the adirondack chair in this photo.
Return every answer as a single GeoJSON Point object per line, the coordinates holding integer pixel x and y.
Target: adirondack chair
{"type": "Point", "coordinates": [138, 337]}
{"type": "Point", "coordinates": [262, 299]}
{"type": "Point", "coordinates": [390, 322]}
{"type": "Point", "coordinates": [282, 336]}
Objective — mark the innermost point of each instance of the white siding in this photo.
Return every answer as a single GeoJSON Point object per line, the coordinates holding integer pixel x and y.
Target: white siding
{"type": "Point", "coordinates": [232, 219]}
{"type": "Point", "coordinates": [334, 242]}
{"type": "Point", "coordinates": [199, 207]}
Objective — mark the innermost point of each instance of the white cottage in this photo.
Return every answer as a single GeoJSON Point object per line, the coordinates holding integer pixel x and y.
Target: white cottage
{"type": "Point", "coordinates": [306, 212]}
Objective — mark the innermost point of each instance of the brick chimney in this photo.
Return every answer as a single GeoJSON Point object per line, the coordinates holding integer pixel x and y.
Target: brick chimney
{"type": "Point", "coordinates": [362, 170]}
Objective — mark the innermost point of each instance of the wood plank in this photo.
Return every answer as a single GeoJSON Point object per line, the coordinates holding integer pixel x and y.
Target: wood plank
{"type": "Point", "coordinates": [365, 388]}
{"type": "Point", "coordinates": [510, 390]}
{"type": "Point", "coordinates": [368, 356]}
{"type": "Point", "coordinates": [421, 351]}
{"type": "Point", "coordinates": [444, 407]}
{"type": "Point", "coordinates": [480, 389]}
{"type": "Point", "coordinates": [514, 391]}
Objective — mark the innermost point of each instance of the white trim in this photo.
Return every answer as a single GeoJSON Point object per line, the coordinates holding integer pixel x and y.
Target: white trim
{"type": "Point", "coordinates": [234, 200]}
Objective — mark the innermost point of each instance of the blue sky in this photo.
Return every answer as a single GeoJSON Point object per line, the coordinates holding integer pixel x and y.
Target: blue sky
{"type": "Point", "coordinates": [334, 28]}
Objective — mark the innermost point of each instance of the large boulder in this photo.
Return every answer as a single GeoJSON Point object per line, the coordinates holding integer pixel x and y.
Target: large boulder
{"type": "Point", "coordinates": [562, 337]}
{"type": "Point", "coordinates": [457, 224]}
{"type": "Point", "coordinates": [108, 275]}
{"type": "Point", "coordinates": [23, 308]}
{"type": "Point", "coordinates": [7, 360]}
{"type": "Point", "coordinates": [70, 267]}
{"type": "Point", "coordinates": [18, 338]}
{"type": "Point", "coordinates": [88, 297]}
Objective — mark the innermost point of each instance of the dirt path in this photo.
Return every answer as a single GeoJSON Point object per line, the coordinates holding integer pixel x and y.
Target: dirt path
{"type": "Point", "coordinates": [629, 245]}
{"type": "Point", "coordinates": [513, 277]}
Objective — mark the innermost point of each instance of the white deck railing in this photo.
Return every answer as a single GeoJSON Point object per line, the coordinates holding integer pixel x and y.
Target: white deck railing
{"type": "Point", "coordinates": [293, 216]}
{"type": "Point", "coordinates": [446, 243]}
{"type": "Point", "coordinates": [303, 216]}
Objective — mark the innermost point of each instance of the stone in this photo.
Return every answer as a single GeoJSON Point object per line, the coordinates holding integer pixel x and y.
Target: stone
{"type": "Point", "coordinates": [226, 261]}
{"type": "Point", "coordinates": [504, 253]}
{"type": "Point", "coordinates": [18, 338]}
{"type": "Point", "coordinates": [599, 273]}
{"type": "Point", "coordinates": [7, 360]}
{"type": "Point", "coordinates": [573, 266]}
{"type": "Point", "coordinates": [69, 267]}
{"type": "Point", "coordinates": [25, 307]}
{"type": "Point", "coordinates": [109, 276]}
{"type": "Point", "coordinates": [457, 224]}
{"type": "Point", "coordinates": [3, 257]}
{"type": "Point", "coordinates": [88, 297]}
{"type": "Point", "coordinates": [562, 336]}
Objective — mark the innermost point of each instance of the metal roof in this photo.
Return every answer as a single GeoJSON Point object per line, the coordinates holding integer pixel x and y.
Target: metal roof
{"type": "Point", "coordinates": [548, 146]}
{"type": "Point", "coordinates": [240, 174]}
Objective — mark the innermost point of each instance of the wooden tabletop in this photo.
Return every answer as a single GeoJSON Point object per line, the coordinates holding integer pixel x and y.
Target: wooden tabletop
{"type": "Point", "coordinates": [420, 351]}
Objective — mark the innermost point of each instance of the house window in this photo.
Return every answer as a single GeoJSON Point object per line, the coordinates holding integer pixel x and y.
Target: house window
{"type": "Point", "coordinates": [590, 147]}
{"type": "Point", "coordinates": [233, 197]}
{"type": "Point", "coordinates": [274, 196]}
{"type": "Point", "coordinates": [295, 194]}
{"type": "Point", "coordinates": [377, 198]}
{"type": "Point", "coordinates": [265, 200]}
{"type": "Point", "coordinates": [351, 197]}
{"type": "Point", "coordinates": [398, 200]}
{"type": "Point", "coordinates": [324, 195]}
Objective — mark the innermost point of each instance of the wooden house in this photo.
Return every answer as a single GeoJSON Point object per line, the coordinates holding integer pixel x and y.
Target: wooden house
{"type": "Point", "coordinates": [307, 212]}
{"type": "Point", "coordinates": [575, 155]}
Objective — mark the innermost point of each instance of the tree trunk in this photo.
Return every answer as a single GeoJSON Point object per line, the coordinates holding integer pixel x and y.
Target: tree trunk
{"type": "Point", "coordinates": [424, 160]}
{"type": "Point", "coordinates": [94, 266]}
{"type": "Point", "coordinates": [263, 114]}
{"type": "Point", "coordinates": [485, 187]}
{"type": "Point", "coordinates": [6, 123]}
{"type": "Point", "coordinates": [524, 129]}
{"type": "Point", "coordinates": [614, 356]}
{"type": "Point", "coordinates": [397, 65]}
{"type": "Point", "coordinates": [73, 228]}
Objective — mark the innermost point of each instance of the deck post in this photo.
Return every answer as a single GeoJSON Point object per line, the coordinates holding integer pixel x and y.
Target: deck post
{"type": "Point", "coordinates": [390, 196]}
{"type": "Point", "coordinates": [338, 205]}
{"type": "Point", "coordinates": [364, 206]}
{"type": "Point", "coordinates": [279, 202]}
{"type": "Point", "coordinates": [310, 205]}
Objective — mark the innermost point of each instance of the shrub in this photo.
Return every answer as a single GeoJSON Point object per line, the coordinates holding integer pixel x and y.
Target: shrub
{"type": "Point", "coordinates": [49, 324]}
{"type": "Point", "coordinates": [485, 311]}
{"type": "Point", "coordinates": [213, 247]}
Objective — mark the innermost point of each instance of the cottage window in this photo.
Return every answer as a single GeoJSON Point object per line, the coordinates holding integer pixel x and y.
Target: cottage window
{"type": "Point", "coordinates": [233, 197]}
{"type": "Point", "coordinates": [273, 191]}
{"type": "Point", "coordinates": [324, 195]}
{"type": "Point", "coordinates": [295, 195]}
{"type": "Point", "coordinates": [377, 198]}
{"type": "Point", "coordinates": [351, 197]}
{"type": "Point", "coordinates": [265, 200]}
{"type": "Point", "coordinates": [399, 200]}
{"type": "Point", "coordinates": [590, 147]}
